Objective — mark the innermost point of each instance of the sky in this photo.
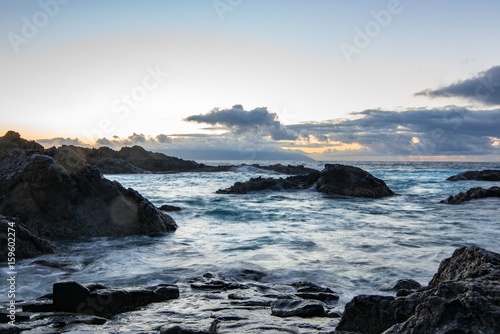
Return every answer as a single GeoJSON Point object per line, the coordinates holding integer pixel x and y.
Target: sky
{"type": "Point", "coordinates": [256, 79]}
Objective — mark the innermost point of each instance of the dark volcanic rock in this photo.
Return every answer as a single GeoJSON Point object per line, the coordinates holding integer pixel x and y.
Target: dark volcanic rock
{"type": "Point", "coordinates": [297, 308]}
{"type": "Point", "coordinates": [259, 183]}
{"type": "Point", "coordinates": [73, 297]}
{"type": "Point", "coordinates": [61, 196]}
{"type": "Point", "coordinates": [27, 244]}
{"type": "Point", "coordinates": [472, 193]}
{"type": "Point", "coordinates": [462, 297]}
{"type": "Point", "coordinates": [482, 175]}
{"type": "Point", "coordinates": [351, 181]}
{"type": "Point", "coordinates": [333, 180]}
{"type": "Point", "coordinates": [374, 314]}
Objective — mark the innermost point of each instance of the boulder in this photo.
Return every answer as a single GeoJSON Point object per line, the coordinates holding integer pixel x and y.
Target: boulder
{"type": "Point", "coordinates": [462, 297]}
{"type": "Point", "coordinates": [471, 194]}
{"type": "Point", "coordinates": [62, 196]}
{"type": "Point", "coordinates": [351, 181]}
{"type": "Point", "coordinates": [74, 297]}
{"type": "Point", "coordinates": [297, 308]}
{"type": "Point", "coordinates": [482, 175]}
{"type": "Point", "coordinates": [27, 244]}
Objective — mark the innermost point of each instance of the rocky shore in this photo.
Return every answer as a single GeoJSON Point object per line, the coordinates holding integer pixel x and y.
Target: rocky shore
{"type": "Point", "coordinates": [483, 175]}
{"type": "Point", "coordinates": [472, 194]}
{"type": "Point", "coordinates": [460, 298]}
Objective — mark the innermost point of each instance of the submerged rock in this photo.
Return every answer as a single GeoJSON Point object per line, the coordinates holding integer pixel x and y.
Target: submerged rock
{"type": "Point", "coordinates": [62, 196]}
{"type": "Point", "coordinates": [401, 284]}
{"type": "Point", "coordinates": [482, 175]}
{"type": "Point", "coordinates": [461, 298]}
{"type": "Point", "coordinates": [333, 180]}
{"type": "Point", "coordinates": [471, 194]}
{"type": "Point", "coordinates": [169, 208]}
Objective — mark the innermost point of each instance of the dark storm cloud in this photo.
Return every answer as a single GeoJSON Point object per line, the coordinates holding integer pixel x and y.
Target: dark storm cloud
{"type": "Point", "coordinates": [445, 131]}
{"type": "Point", "coordinates": [485, 88]}
{"type": "Point", "coordinates": [238, 120]}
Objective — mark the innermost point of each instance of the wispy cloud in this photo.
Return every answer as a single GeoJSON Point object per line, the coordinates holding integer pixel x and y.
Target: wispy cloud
{"type": "Point", "coordinates": [484, 88]}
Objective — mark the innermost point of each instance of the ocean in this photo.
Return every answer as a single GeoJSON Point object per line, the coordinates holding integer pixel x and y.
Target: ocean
{"type": "Point", "coordinates": [352, 245]}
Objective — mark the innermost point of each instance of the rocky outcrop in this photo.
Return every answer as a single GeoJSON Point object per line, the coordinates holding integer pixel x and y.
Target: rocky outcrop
{"type": "Point", "coordinates": [351, 181]}
{"type": "Point", "coordinates": [260, 183]}
{"type": "Point", "coordinates": [15, 236]}
{"type": "Point", "coordinates": [462, 297]}
{"type": "Point", "coordinates": [482, 175]}
{"type": "Point", "coordinates": [471, 194]}
{"type": "Point", "coordinates": [104, 302]}
{"type": "Point", "coordinates": [334, 179]}
{"type": "Point", "coordinates": [136, 160]}
{"type": "Point", "coordinates": [59, 195]}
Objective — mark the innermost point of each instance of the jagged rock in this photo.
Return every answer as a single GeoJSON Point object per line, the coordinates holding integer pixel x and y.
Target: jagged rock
{"type": "Point", "coordinates": [351, 181]}
{"type": "Point", "coordinates": [73, 297]}
{"type": "Point", "coordinates": [483, 175]}
{"type": "Point", "coordinates": [333, 180]}
{"type": "Point", "coordinates": [471, 194]}
{"type": "Point", "coordinates": [297, 308]}
{"type": "Point", "coordinates": [27, 244]}
{"type": "Point", "coordinates": [462, 297]}
{"type": "Point", "coordinates": [61, 196]}
{"type": "Point", "coordinates": [259, 183]}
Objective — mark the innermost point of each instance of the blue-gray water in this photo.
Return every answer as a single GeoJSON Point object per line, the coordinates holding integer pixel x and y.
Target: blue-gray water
{"type": "Point", "coordinates": [352, 245]}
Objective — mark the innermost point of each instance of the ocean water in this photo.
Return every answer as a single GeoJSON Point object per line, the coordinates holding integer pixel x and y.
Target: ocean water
{"type": "Point", "coordinates": [353, 245]}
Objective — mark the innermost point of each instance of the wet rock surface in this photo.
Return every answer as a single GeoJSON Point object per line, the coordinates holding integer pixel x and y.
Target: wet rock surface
{"type": "Point", "coordinates": [238, 303]}
{"type": "Point", "coordinates": [462, 297]}
{"type": "Point", "coordinates": [483, 175]}
{"type": "Point", "coordinates": [334, 179]}
{"type": "Point", "coordinates": [26, 243]}
{"type": "Point", "coordinates": [472, 194]}
{"type": "Point", "coordinates": [59, 195]}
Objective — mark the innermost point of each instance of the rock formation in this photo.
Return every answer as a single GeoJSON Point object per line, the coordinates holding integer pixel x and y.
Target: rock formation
{"type": "Point", "coordinates": [334, 179]}
{"type": "Point", "coordinates": [26, 244]}
{"type": "Point", "coordinates": [471, 194]}
{"type": "Point", "coordinates": [462, 297]}
{"type": "Point", "coordinates": [483, 175]}
{"type": "Point", "coordinates": [60, 195]}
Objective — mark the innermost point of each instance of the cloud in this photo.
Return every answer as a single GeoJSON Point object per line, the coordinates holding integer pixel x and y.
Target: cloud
{"type": "Point", "coordinates": [59, 141]}
{"type": "Point", "coordinates": [484, 88]}
{"type": "Point", "coordinates": [415, 132]}
{"type": "Point", "coordinates": [240, 121]}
